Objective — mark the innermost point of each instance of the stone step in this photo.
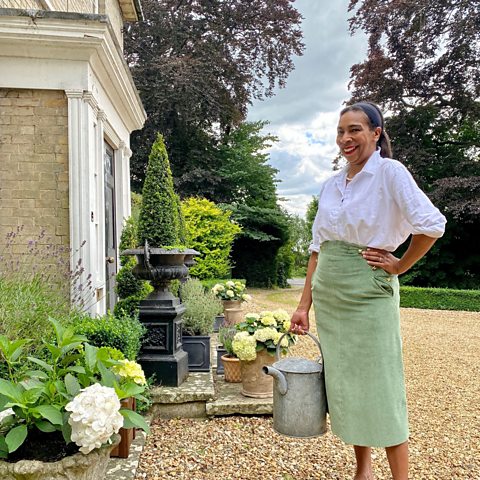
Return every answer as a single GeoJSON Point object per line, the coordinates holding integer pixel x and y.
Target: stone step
{"type": "Point", "coordinates": [206, 394]}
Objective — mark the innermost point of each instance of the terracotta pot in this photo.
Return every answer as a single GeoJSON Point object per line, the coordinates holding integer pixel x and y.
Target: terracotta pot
{"type": "Point", "coordinates": [92, 466]}
{"type": "Point", "coordinates": [233, 316]}
{"type": "Point", "coordinates": [122, 450]}
{"type": "Point", "coordinates": [255, 383]}
{"type": "Point", "coordinates": [231, 304]}
{"type": "Point", "coordinates": [231, 368]}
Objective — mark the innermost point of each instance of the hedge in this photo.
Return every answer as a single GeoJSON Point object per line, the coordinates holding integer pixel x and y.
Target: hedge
{"type": "Point", "coordinates": [440, 298]}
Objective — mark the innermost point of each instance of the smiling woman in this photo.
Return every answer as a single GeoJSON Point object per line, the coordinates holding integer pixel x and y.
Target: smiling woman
{"type": "Point", "coordinates": [364, 213]}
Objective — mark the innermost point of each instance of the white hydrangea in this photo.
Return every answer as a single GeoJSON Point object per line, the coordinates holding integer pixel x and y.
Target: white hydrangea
{"type": "Point", "coordinates": [230, 293]}
{"type": "Point", "coordinates": [230, 284]}
{"type": "Point", "coordinates": [6, 413]}
{"type": "Point", "coordinates": [95, 417]}
{"type": "Point", "coordinates": [246, 297]}
{"type": "Point", "coordinates": [264, 334]}
{"type": "Point", "coordinates": [281, 315]}
{"type": "Point", "coordinates": [268, 320]}
{"type": "Point", "coordinates": [252, 316]}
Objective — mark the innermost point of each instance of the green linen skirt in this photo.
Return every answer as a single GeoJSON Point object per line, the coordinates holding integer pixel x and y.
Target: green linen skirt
{"type": "Point", "coordinates": [358, 323]}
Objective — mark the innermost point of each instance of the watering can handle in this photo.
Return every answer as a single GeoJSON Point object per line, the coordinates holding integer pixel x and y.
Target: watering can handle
{"type": "Point", "coordinates": [313, 337]}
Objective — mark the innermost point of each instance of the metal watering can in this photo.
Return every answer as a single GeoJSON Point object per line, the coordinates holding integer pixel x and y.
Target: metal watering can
{"type": "Point", "coordinates": [299, 397]}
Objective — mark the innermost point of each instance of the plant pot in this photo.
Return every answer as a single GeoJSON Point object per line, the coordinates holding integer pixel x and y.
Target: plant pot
{"type": "Point", "coordinates": [79, 466]}
{"type": "Point", "coordinates": [220, 352]}
{"type": "Point", "coordinates": [256, 383]}
{"type": "Point", "coordinates": [231, 366]}
{"type": "Point", "coordinates": [233, 316]}
{"type": "Point", "coordinates": [218, 322]}
{"type": "Point", "coordinates": [198, 349]}
{"type": "Point", "coordinates": [127, 435]}
{"type": "Point", "coordinates": [231, 304]}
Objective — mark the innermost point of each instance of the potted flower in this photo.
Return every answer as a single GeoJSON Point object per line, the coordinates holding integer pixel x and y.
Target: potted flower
{"type": "Point", "coordinates": [60, 414]}
{"type": "Point", "coordinates": [161, 259]}
{"type": "Point", "coordinates": [232, 294]}
{"type": "Point", "coordinates": [255, 344]}
{"type": "Point", "coordinates": [200, 309]}
{"type": "Point", "coordinates": [229, 363]}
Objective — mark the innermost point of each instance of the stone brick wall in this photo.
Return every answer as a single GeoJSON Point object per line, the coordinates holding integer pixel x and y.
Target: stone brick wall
{"type": "Point", "coordinates": [34, 165]}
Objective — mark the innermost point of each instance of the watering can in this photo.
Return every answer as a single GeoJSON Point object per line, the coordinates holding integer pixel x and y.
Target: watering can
{"type": "Point", "coordinates": [299, 397]}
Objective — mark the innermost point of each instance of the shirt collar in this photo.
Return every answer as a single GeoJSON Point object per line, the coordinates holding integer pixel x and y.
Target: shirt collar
{"type": "Point", "coordinates": [370, 167]}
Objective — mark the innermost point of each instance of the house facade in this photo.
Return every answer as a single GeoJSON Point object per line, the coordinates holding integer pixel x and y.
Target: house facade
{"type": "Point", "coordinates": [67, 107]}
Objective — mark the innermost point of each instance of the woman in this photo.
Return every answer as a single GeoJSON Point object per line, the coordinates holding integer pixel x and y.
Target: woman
{"type": "Point", "coordinates": [364, 213]}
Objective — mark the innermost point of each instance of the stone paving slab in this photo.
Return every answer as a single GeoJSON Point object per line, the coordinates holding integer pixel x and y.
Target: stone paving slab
{"type": "Point", "coordinates": [197, 387]}
{"type": "Point", "coordinates": [230, 401]}
{"type": "Point", "coordinates": [125, 468]}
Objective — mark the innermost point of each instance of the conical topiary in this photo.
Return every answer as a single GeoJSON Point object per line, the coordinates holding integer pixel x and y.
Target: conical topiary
{"type": "Point", "coordinates": [159, 222]}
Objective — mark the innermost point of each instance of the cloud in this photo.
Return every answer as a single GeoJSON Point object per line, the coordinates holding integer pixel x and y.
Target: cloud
{"type": "Point", "coordinates": [304, 115]}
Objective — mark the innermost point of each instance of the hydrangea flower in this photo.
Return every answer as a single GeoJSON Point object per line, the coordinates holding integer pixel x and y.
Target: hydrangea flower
{"type": "Point", "coordinates": [130, 370]}
{"type": "Point", "coordinates": [261, 331]}
{"type": "Point", "coordinates": [244, 346]}
{"type": "Point", "coordinates": [95, 417]}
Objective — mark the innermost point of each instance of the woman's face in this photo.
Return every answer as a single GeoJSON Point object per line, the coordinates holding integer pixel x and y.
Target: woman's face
{"type": "Point", "coordinates": [356, 140]}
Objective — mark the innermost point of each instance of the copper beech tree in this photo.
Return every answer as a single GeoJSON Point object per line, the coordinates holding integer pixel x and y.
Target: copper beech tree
{"type": "Point", "coordinates": [198, 64]}
{"type": "Point", "coordinates": [422, 67]}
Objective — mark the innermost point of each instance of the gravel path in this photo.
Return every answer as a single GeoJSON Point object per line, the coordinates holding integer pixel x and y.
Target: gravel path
{"type": "Point", "coordinates": [442, 366]}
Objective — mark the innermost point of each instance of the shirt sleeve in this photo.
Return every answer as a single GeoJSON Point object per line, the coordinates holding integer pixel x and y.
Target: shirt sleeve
{"type": "Point", "coordinates": [423, 217]}
{"type": "Point", "coordinates": [315, 243]}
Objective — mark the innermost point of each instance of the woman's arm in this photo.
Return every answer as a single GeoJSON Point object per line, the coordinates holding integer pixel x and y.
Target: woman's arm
{"type": "Point", "coordinates": [419, 246]}
{"type": "Point", "coordinates": [299, 321]}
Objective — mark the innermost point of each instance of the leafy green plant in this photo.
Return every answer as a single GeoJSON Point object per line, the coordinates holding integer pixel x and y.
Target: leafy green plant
{"type": "Point", "coordinates": [123, 332]}
{"type": "Point", "coordinates": [42, 398]}
{"type": "Point", "coordinates": [159, 222]}
{"type": "Point", "coordinates": [211, 232]}
{"type": "Point", "coordinates": [201, 306]}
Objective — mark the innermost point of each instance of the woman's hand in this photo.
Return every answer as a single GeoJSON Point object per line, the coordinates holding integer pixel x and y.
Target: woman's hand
{"type": "Point", "coordinates": [382, 259]}
{"type": "Point", "coordinates": [299, 322]}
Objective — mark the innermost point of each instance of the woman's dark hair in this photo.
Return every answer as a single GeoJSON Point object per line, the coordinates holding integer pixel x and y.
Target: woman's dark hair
{"type": "Point", "coordinates": [375, 119]}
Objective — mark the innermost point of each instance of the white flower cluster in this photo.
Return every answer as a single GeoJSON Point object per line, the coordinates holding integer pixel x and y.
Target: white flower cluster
{"type": "Point", "coordinates": [231, 290]}
{"type": "Point", "coordinates": [95, 417]}
{"type": "Point", "coordinates": [6, 413]}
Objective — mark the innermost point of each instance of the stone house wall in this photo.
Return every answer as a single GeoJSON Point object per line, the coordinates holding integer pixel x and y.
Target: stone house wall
{"type": "Point", "coordinates": [34, 184]}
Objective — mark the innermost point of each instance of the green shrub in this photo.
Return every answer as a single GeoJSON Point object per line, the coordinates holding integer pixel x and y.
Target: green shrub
{"type": "Point", "coordinates": [211, 232]}
{"type": "Point", "coordinates": [123, 333]}
{"type": "Point", "coordinates": [159, 222]}
{"type": "Point", "coordinates": [127, 285]}
{"type": "Point", "coordinates": [201, 306]}
{"type": "Point", "coordinates": [440, 298]}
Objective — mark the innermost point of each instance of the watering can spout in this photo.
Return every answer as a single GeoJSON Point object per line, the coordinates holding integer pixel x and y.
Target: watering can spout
{"type": "Point", "coordinates": [282, 381]}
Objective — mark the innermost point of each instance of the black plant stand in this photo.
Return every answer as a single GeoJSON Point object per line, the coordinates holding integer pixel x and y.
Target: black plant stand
{"type": "Point", "coordinates": [162, 354]}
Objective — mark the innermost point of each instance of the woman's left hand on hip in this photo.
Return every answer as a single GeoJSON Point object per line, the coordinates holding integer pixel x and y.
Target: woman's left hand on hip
{"type": "Point", "coordinates": [383, 259]}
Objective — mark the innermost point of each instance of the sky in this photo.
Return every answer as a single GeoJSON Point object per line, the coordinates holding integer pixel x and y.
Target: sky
{"type": "Point", "coordinates": [304, 114]}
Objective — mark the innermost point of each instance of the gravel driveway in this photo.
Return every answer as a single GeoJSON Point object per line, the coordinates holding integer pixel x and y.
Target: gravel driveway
{"type": "Point", "coordinates": [442, 366]}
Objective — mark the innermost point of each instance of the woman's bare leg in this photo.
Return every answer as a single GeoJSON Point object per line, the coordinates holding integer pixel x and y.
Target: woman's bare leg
{"type": "Point", "coordinates": [398, 460]}
{"type": "Point", "coordinates": [364, 463]}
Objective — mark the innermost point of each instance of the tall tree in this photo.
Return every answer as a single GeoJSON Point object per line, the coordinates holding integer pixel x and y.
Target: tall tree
{"type": "Point", "coordinates": [198, 64]}
{"type": "Point", "coordinates": [422, 66]}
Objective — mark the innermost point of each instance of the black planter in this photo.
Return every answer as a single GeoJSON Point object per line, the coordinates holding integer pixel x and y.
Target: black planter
{"type": "Point", "coordinates": [220, 351]}
{"type": "Point", "coordinates": [218, 322]}
{"type": "Point", "coordinates": [198, 349]}
{"type": "Point", "coordinates": [162, 354]}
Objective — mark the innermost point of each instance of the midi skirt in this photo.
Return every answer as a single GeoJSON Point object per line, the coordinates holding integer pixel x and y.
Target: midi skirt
{"type": "Point", "coordinates": [358, 323]}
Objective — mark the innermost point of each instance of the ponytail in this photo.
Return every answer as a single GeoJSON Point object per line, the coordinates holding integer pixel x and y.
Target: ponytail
{"type": "Point", "coordinates": [385, 145]}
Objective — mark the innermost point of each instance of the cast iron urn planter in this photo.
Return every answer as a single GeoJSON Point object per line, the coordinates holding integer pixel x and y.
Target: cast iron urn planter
{"type": "Point", "coordinates": [161, 313]}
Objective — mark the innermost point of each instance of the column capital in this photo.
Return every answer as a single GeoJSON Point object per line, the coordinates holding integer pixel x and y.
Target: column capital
{"type": "Point", "coordinates": [74, 93]}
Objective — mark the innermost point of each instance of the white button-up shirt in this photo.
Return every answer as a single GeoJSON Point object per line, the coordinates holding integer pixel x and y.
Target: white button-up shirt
{"type": "Point", "coordinates": [379, 208]}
